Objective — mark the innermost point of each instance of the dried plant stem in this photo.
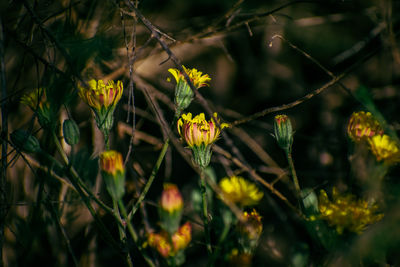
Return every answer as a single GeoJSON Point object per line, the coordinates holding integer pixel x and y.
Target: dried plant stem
{"type": "Point", "coordinates": [205, 211]}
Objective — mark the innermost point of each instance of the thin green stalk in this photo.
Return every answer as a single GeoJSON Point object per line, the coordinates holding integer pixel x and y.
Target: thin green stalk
{"type": "Point", "coordinates": [73, 176]}
{"type": "Point", "coordinates": [205, 212]}
{"type": "Point", "coordinates": [122, 235]}
{"type": "Point", "coordinates": [133, 233]}
{"type": "Point", "coordinates": [295, 179]}
{"type": "Point", "coordinates": [153, 172]}
{"type": "Point", "coordinates": [221, 240]}
{"type": "Point", "coordinates": [151, 179]}
{"type": "Point", "coordinates": [76, 176]}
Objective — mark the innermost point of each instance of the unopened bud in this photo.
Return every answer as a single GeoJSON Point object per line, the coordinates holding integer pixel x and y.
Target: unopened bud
{"type": "Point", "coordinates": [283, 132]}
{"type": "Point", "coordinates": [25, 141]}
{"type": "Point", "coordinates": [71, 132]}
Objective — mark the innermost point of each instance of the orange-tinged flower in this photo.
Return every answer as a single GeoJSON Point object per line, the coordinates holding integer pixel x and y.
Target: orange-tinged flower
{"type": "Point", "coordinates": [99, 95]}
{"type": "Point", "coordinates": [363, 125]}
{"type": "Point", "coordinates": [113, 172]}
{"type": "Point", "coordinates": [198, 131]}
{"type": "Point", "coordinates": [196, 77]}
{"type": "Point", "coordinates": [384, 148]}
{"type": "Point", "coordinates": [111, 162]}
{"type": "Point", "coordinates": [160, 243]}
{"type": "Point", "coordinates": [182, 237]}
{"type": "Point", "coordinates": [252, 225]}
{"type": "Point", "coordinates": [346, 212]}
{"type": "Point", "coordinates": [240, 191]}
{"type": "Point", "coordinates": [171, 198]}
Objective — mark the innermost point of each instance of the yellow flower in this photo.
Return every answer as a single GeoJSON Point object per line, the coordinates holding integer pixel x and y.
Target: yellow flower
{"type": "Point", "coordinates": [384, 148]}
{"type": "Point", "coordinates": [242, 259]}
{"type": "Point", "coordinates": [160, 243]}
{"type": "Point", "coordinates": [196, 77]}
{"type": "Point", "coordinates": [35, 99]}
{"type": "Point", "coordinates": [346, 212]}
{"type": "Point", "coordinates": [99, 95]}
{"type": "Point", "coordinates": [363, 125]}
{"type": "Point", "coordinates": [240, 191]}
{"type": "Point", "coordinates": [182, 238]}
{"type": "Point", "coordinates": [198, 131]}
{"type": "Point", "coordinates": [111, 162]}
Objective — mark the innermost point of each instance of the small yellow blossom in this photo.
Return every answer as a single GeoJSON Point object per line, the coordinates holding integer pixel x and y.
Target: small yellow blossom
{"type": "Point", "coordinates": [196, 77]}
{"type": "Point", "coordinates": [198, 131]}
{"type": "Point", "coordinates": [346, 212]}
{"type": "Point", "coordinates": [363, 125]}
{"type": "Point", "coordinates": [160, 243]}
{"type": "Point", "coordinates": [182, 238]}
{"type": "Point", "coordinates": [111, 162]}
{"type": "Point", "coordinates": [384, 148]}
{"type": "Point", "coordinates": [240, 191]}
{"type": "Point", "coordinates": [99, 95]}
{"type": "Point", "coordinates": [35, 99]}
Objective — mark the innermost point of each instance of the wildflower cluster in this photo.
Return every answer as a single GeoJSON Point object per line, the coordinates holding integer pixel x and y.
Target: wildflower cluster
{"type": "Point", "coordinates": [199, 134]}
{"type": "Point", "coordinates": [364, 127]}
{"type": "Point", "coordinates": [174, 238]}
{"type": "Point", "coordinates": [346, 212]}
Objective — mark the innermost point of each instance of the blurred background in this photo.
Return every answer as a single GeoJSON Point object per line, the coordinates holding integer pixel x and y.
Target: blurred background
{"type": "Point", "coordinates": [259, 54]}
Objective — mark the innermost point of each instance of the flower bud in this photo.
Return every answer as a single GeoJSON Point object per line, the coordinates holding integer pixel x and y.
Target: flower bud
{"type": "Point", "coordinates": [160, 243]}
{"type": "Point", "coordinates": [182, 238]}
{"type": "Point", "coordinates": [113, 172]}
{"type": "Point", "coordinates": [171, 208]}
{"type": "Point", "coordinates": [283, 132]}
{"type": "Point", "coordinates": [183, 93]}
{"type": "Point", "coordinates": [25, 141]}
{"type": "Point", "coordinates": [250, 230]}
{"type": "Point", "coordinates": [71, 132]}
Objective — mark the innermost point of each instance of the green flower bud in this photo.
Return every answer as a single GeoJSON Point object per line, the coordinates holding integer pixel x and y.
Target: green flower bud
{"type": "Point", "coordinates": [25, 141]}
{"type": "Point", "coordinates": [71, 132]}
{"type": "Point", "coordinates": [283, 132]}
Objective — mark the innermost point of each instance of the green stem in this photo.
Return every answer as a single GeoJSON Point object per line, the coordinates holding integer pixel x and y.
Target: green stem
{"type": "Point", "coordinates": [151, 179]}
{"type": "Point", "coordinates": [205, 212]}
{"type": "Point", "coordinates": [153, 172]}
{"type": "Point", "coordinates": [133, 233]}
{"type": "Point", "coordinates": [106, 233]}
{"type": "Point", "coordinates": [224, 234]}
{"type": "Point", "coordinates": [294, 177]}
{"type": "Point", "coordinates": [122, 235]}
